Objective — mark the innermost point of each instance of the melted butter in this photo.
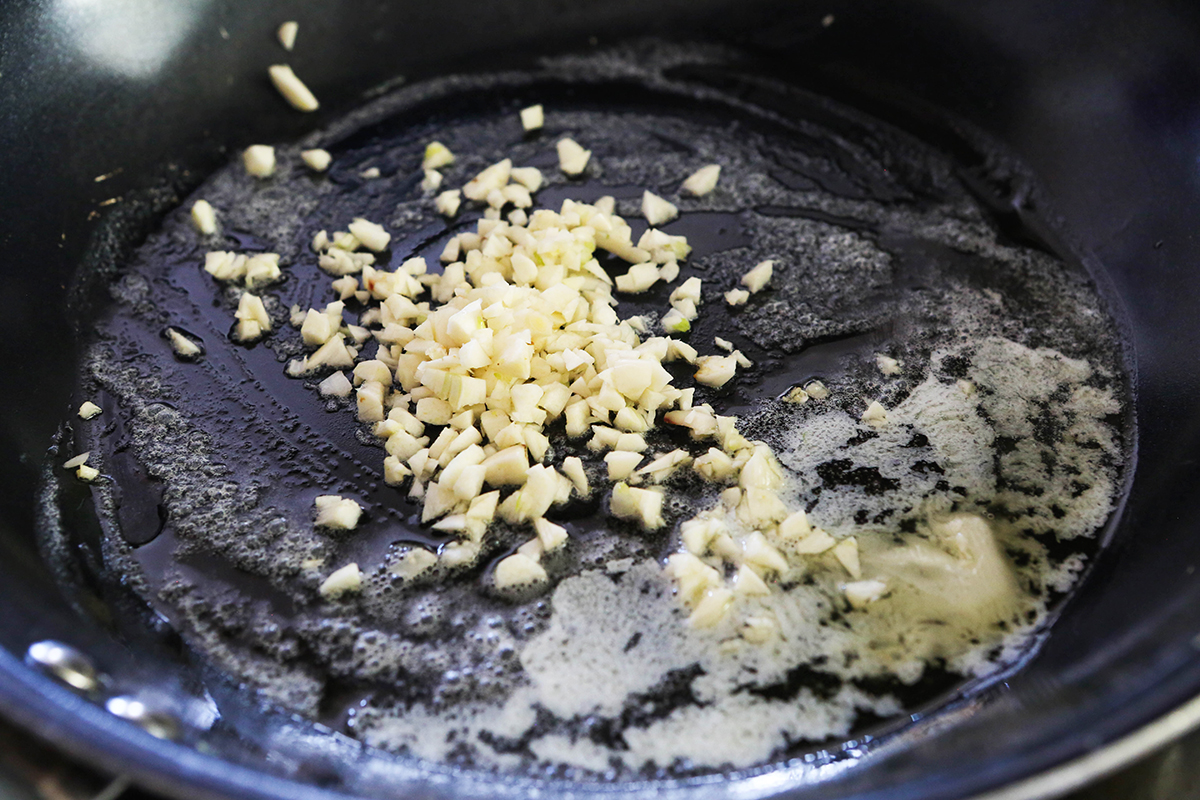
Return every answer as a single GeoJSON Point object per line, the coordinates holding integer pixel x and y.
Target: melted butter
{"type": "Point", "coordinates": [945, 588]}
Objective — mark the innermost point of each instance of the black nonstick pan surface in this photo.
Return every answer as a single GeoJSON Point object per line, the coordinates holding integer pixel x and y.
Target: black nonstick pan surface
{"type": "Point", "coordinates": [1098, 99]}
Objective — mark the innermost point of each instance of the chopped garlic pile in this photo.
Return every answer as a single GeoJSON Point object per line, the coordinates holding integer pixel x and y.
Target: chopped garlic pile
{"type": "Point", "coordinates": [520, 329]}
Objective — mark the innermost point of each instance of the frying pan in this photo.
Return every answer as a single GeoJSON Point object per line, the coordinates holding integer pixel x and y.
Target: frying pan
{"type": "Point", "coordinates": [1100, 99]}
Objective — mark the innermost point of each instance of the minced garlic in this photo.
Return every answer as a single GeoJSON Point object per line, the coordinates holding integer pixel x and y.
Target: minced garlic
{"type": "Point", "coordinates": [76, 461]}
{"type": "Point", "coordinates": [572, 158]}
{"type": "Point", "coordinates": [737, 297]}
{"type": "Point", "coordinates": [862, 593]}
{"type": "Point", "coordinates": [253, 322]}
{"type": "Point", "coordinates": [337, 512]}
{"type": "Point", "coordinates": [259, 160]}
{"type": "Point", "coordinates": [317, 160]}
{"type": "Point", "coordinates": [342, 581]}
{"type": "Point", "coordinates": [448, 202]}
{"type": "Point", "coordinates": [816, 390]}
{"type": "Point", "coordinates": [184, 347]}
{"type": "Point", "coordinates": [518, 330]}
{"type": "Point", "coordinates": [204, 217]}
{"type": "Point", "coordinates": [759, 277]}
{"type": "Point", "coordinates": [703, 180]}
{"type": "Point", "coordinates": [518, 570]}
{"type": "Point", "coordinates": [287, 34]}
{"type": "Point", "coordinates": [887, 365]}
{"type": "Point", "coordinates": [875, 415]}
{"type": "Point", "coordinates": [437, 155]}
{"type": "Point", "coordinates": [336, 385]}
{"type": "Point", "coordinates": [432, 181]}
{"type": "Point", "coordinates": [656, 210]}
{"type": "Point", "coordinates": [85, 473]}
{"type": "Point", "coordinates": [372, 235]}
{"type": "Point", "coordinates": [292, 88]}
{"type": "Point", "coordinates": [532, 118]}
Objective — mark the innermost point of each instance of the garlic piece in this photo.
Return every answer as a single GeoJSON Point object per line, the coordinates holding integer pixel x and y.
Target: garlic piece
{"type": "Point", "coordinates": [252, 318]}
{"type": "Point", "coordinates": [795, 527]}
{"type": "Point", "coordinates": [642, 505]}
{"type": "Point", "coordinates": [437, 155]}
{"type": "Point", "coordinates": [89, 410]}
{"type": "Point", "coordinates": [317, 160]}
{"type": "Point", "coordinates": [287, 34]}
{"type": "Point", "coordinates": [796, 395]}
{"type": "Point", "coordinates": [712, 609]}
{"type": "Point", "coordinates": [572, 158]}
{"type": "Point", "coordinates": [184, 347]}
{"type": "Point", "coordinates": [529, 177]}
{"type": "Point", "coordinates": [204, 217]}
{"type": "Point", "coordinates": [816, 390]}
{"type": "Point", "coordinates": [413, 563]}
{"type": "Point", "coordinates": [760, 276]}
{"type": "Point", "coordinates": [225, 266]}
{"type": "Point", "coordinates": [533, 118]}
{"type": "Point", "coordinates": [621, 464]}
{"type": "Point", "coordinates": [76, 461]}
{"type": "Point", "coordinates": [572, 467]}
{"type": "Point", "coordinates": [875, 415]}
{"type": "Point", "coordinates": [447, 202]}
{"type": "Point", "coordinates": [737, 297]}
{"type": "Point", "coordinates": [887, 365]}
{"type": "Point", "coordinates": [262, 269]}
{"type": "Point", "coordinates": [814, 543]}
{"type": "Point", "coordinates": [550, 535]}
{"type": "Point", "coordinates": [292, 88]}
{"type": "Point", "coordinates": [656, 210]}
{"type": "Point", "coordinates": [748, 584]}
{"type": "Point", "coordinates": [714, 465]}
{"type": "Point", "coordinates": [371, 234]}
{"type": "Point", "coordinates": [517, 570]}
{"type": "Point", "coordinates": [716, 371]}
{"type": "Point", "coordinates": [342, 581]}
{"type": "Point", "coordinates": [703, 180]}
{"type": "Point", "coordinates": [259, 160]}
{"type": "Point", "coordinates": [862, 593]}
{"type": "Point", "coordinates": [846, 552]}
{"type": "Point", "coordinates": [432, 181]}
{"type": "Point", "coordinates": [639, 278]}
{"type": "Point", "coordinates": [337, 512]}
{"type": "Point", "coordinates": [87, 474]}
{"type": "Point", "coordinates": [675, 322]}
{"type": "Point", "coordinates": [336, 385]}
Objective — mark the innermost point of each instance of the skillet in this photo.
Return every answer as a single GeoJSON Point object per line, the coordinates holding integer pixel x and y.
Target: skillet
{"type": "Point", "coordinates": [1099, 100]}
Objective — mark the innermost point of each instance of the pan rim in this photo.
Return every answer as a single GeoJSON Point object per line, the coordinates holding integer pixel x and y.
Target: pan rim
{"type": "Point", "coordinates": [84, 730]}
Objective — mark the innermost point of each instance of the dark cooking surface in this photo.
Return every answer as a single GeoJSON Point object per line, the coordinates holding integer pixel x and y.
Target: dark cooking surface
{"type": "Point", "coordinates": [880, 247]}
